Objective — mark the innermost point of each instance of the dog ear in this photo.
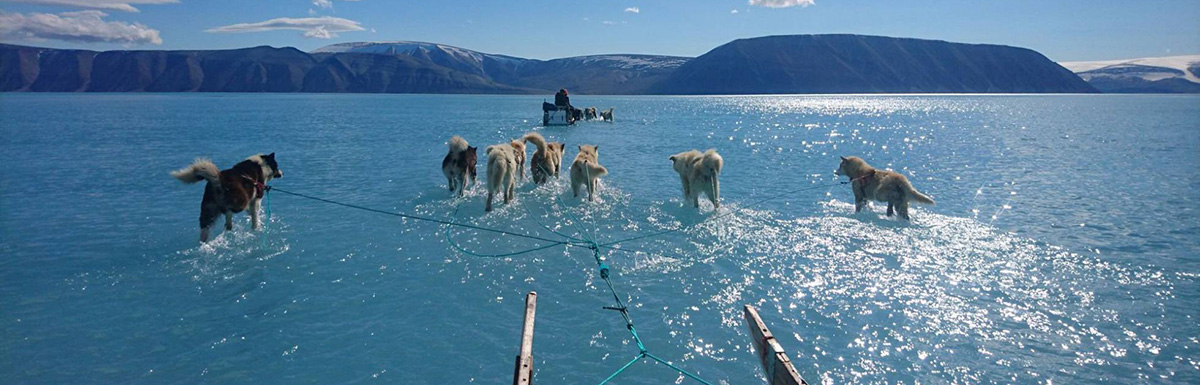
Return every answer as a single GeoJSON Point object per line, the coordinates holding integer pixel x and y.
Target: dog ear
{"type": "Point", "coordinates": [271, 155]}
{"type": "Point", "coordinates": [672, 158]}
{"type": "Point", "coordinates": [843, 158]}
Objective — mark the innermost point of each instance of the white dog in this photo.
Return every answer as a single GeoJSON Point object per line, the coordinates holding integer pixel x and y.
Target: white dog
{"type": "Point", "coordinates": [699, 172]}
{"type": "Point", "coordinates": [501, 172]}
{"type": "Point", "coordinates": [586, 170]}
{"type": "Point", "coordinates": [518, 148]}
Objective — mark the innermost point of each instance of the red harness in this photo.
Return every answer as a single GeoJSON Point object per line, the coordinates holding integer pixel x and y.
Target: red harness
{"type": "Point", "coordinates": [260, 188]}
{"type": "Point", "coordinates": [864, 177]}
{"type": "Point", "coordinates": [863, 180]}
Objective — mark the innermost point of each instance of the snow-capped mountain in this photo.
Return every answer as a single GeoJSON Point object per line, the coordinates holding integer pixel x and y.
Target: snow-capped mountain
{"type": "Point", "coordinates": [618, 74]}
{"type": "Point", "coordinates": [1171, 74]}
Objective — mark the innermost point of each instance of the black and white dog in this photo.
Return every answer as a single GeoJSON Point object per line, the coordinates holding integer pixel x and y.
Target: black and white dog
{"type": "Point", "coordinates": [230, 191]}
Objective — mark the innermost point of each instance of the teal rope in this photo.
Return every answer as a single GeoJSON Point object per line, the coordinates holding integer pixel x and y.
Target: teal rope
{"type": "Point", "coordinates": [677, 369]}
{"type": "Point", "coordinates": [622, 369]}
{"type": "Point", "coordinates": [502, 255]}
{"type": "Point", "coordinates": [266, 220]}
{"type": "Point", "coordinates": [539, 222]}
{"type": "Point", "coordinates": [584, 240]}
{"type": "Point", "coordinates": [413, 217]}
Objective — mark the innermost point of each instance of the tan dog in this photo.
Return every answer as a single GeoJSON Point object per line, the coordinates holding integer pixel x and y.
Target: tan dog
{"type": "Point", "coordinates": [699, 172]}
{"type": "Point", "coordinates": [518, 147]}
{"type": "Point", "coordinates": [546, 160]}
{"type": "Point", "coordinates": [586, 170]}
{"type": "Point", "coordinates": [501, 172]}
{"type": "Point", "coordinates": [880, 185]}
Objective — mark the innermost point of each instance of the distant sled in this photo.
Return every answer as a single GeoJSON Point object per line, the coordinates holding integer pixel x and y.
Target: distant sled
{"type": "Point", "coordinates": [553, 115]}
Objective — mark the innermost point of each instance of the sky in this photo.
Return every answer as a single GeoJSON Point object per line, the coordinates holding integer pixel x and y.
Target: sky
{"type": "Point", "coordinates": [1063, 30]}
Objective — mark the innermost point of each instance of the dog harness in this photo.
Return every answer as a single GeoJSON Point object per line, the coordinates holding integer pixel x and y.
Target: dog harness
{"type": "Point", "coordinates": [260, 188]}
{"type": "Point", "coordinates": [863, 181]}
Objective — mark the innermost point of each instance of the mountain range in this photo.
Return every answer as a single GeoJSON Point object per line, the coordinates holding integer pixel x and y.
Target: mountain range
{"type": "Point", "coordinates": [1172, 74]}
{"type": "Point", "coordinates": [773, 64]}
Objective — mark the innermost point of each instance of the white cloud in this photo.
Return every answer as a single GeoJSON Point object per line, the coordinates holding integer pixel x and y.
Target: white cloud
{"type": "Point", "coordinates": [115, 5]}
{"type": "Point", "coordinates": [324, 27]}
{"type": "Point", "coordinates": [633, 10]}
{"type": "Point", "coordinates": [327, 4]}
{"type": "Point", "coordinates": [733, 11]}
{"type": "Point", "coordinates": [319, 33]}
{"type": "Point", "coordinates": [782, 3]}
{"type": "Point", "coordinates": [81, 26]}
{"type": "Point", "coordinates": [312, 12]}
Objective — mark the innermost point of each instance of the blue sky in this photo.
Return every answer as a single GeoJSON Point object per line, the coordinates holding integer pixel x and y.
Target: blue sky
{"type": "Point", "coordinates": [1064, 30]}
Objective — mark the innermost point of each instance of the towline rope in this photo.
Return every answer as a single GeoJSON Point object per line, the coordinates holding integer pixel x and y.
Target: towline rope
{"type": "Point", "coordinates": [413, 217]}
{"type": "Point", "coordinates": [584, 240]}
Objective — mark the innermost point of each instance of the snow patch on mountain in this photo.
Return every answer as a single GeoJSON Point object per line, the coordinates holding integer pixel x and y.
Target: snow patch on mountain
{"type": "Point", "coordinates": [1150, 69]}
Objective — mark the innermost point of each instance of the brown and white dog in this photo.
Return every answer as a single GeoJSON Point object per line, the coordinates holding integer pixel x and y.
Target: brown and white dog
{"type": "Point", "coordinates": [699, 172]}
{"type": "Point", "coordinates": [501, 172]}
{"type": "Point", "coordinates": [231, 191]}
{"type": "Point", "coordinates": [869, 183]}
{"type": "Point", "coordinates": [589, 113]}
{"type": "Point", "coordinates": [546, 160]}
{"type": "Point", "coordinates": [518, 147]}
{"type": "Point", "coordinates": [586, 170]}
{"type": "Point", "coordinates": [459, 165]}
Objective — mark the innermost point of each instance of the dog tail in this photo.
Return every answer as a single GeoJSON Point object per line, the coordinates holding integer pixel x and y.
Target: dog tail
{"type": "Point", "coordinates": [458, 144]}
{"type": "Point", "coordinates": [537, 140]}
{"type": "Point", "coordinates": [712, 161]}
{"type": "Point", "coordinates": [201, 169]}
{"type": "Point", "coordinates": [917, 196]}
{"type": "Point", "coordinates": [594, 169]}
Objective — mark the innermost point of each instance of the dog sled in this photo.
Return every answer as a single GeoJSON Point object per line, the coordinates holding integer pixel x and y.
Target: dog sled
{"type": "Point", "coordinates": [553, 115]}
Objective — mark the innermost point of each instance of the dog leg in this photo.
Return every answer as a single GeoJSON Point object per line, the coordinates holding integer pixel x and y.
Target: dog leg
{"type": "Point", "coordinates": [228, 220]}
{"type": "Point", "coordinates": [684, 181]}
{"type": "Point", "coordinates": [574, 189]}
{"type": "Point", "coordinates": [489, 200]}
{"type": "Point", "coordinates": [254, 220]}
{"type": "Point", "coordinates": [450, 182]}
{"type": "Point", "coordinates": [890, 208]}
{"type": "Point", "coordinates": [509, 185]}
{"type": "Point", "coordinates": [859, 200]}
{"type": "Point", "coordinates": [591, 190]}
{"type": "Point", "coordinates": [902, 209]}
{"type": "Point", "coordinates": [716, 193]}
{"type": "Point", "coordinates": [203, 234]}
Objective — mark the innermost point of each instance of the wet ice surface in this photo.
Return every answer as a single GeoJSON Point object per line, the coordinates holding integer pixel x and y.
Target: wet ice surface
{"type": "Point", "coordinates": [1062, 248]}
